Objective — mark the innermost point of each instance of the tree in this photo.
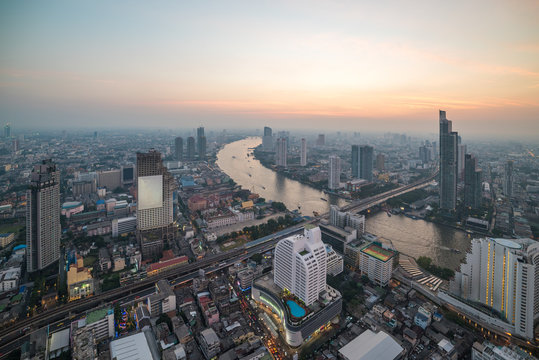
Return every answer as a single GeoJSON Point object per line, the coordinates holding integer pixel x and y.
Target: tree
{"type": "Point", "coordinates": [257, 258]}
{"type": "Point", "coordinates": [164, 318]}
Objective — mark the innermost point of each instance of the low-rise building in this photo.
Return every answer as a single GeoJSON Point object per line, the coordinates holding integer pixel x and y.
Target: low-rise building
{"type": "Point", "coordinates": [9, 279]}
{"type": "Point", "coordinates": [335, 263]}
{"type": "Point", "coordinates": [79, 280]}
{"type": "Point", "coordinates": [377, 263]}
{"type": "Point", "coordinates": [209, 343]}
{"type": "Point", "coordinates": [6, 239]}
{"type": "Point", "coordinates": [162, 266]}
{"type": "Point", "coordinates": [245, 278]}
{"type": "Point", "coordinates": [370, 345]}
{"type": "Point", "coordinates": [163, 301]}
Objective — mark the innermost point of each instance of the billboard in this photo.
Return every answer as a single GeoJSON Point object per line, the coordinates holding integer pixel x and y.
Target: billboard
{"type": "Point", "coordinates": [150, 192]}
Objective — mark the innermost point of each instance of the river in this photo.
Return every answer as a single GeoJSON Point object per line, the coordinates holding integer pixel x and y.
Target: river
{"type": "Point", "coordinates": [411, 237]}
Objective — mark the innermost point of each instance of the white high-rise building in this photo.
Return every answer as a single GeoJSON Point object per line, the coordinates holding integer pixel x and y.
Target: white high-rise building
{"type": "Point", "coordinates": [281, 153]}
{"type": "Point", "coordinates": [300, 265]}
{"type": "Point", "coordinates": [335, 262]}
{"type": "Point", "coordinates": [343, 219]}
{"type": "Point", "coordinates": [334, 175]}
{"type": "Point", "coordinates": [303, 154]}
{"type": "Point", "coordinates": [503, 274]}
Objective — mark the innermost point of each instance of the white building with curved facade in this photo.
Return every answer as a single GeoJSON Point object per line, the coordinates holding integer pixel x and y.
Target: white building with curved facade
{"type": "Point", "coordinates": [502, 274]}
{"type": "Point", "coordinates": [300, 265]}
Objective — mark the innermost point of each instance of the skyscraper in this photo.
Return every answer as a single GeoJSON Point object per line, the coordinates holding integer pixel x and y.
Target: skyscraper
{"type": "Point", "coordinates": [267, 139]}
{"type": "Point", "coordinates": [321, 141]}
{"type": "Point", "coordinates": [303, 153]}
{"type": "Point", "coordinates": [43, 229]}
{"type": "Point", "coordinates": [190, 148]}
{"type": "Point", "coordinates": [155, 187]}
{"type": "Point", "coordinates": [462, 161]}
{"type": "Point", "coordinates": [502, 274]}
{"type": "Point", "coordinates": [7, 130]}
{"type": "Point", "coordinates": [472, 182]}
{"type": "Point", "coordinates": [300, 265]}
{"type": "Point", "coordinates": [448, 164]}
{"type": "Point", "coordinates": [355, 161]}
{"type": "Point", "coordinates": [425, 153]}
{"type": "Point", "coordinates": [178, 147]}
{"type": "Point", "coordinates": [365, 162]}
{"type": "Point", "coordinates": [201, 143]}
{"type": "Point", "coordinates": [282, 153]}
{"type": "Point", "coordinates": [508, 179]}
{"type": "Point", "coordinates": [380, 162]}
{"type": "Point", "coordinates": [334, 174]}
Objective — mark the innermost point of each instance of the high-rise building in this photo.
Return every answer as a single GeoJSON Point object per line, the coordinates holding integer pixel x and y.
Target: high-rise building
{"type": "Point", "coordinates": [95, 134]}
{"type": "Point", "coordinates": [7, 130]}
{"type": "Point", "coordinates": [128, 175]}
{"type": "Point", "coordinates": [43, 229]}
{"type": "Point", "coordinates": [281, 153]}
{"type": "Point", "coordinates": [508, 179]}
{"type": "Point", "coordinates": [110, 179]}
{"type": "Point", "coordinates": [303, 153]}
{"type": "Point", "coordinates": [343, 219]}
{"type": "Point", "coordinates": [321, 141]}
{"type": "Point", "coordinates": [365, 162]}
{"type": "Point", "coordinates": [190, 148]}
{"type": "Point", "coordinates": [334, 173]}
{"type": "Point", "coordinates": [380, 162]}
{"type": "Point", "coordinates": [355, 161]}
{"type": "Point", "coordinates": [461, 161]}
{"type": "Point", "coordinates": [155, 187]}
{"type": "Point", "coordinates": [425, 153]}
{"type": "Point", "coordinates": [178, 147]}
{"type": "Point", "coordinates": [502, 274]}
{"type": "Point", "coordinates": [201, 143]}
{"type": "Point", "coordinates": [448, 164]}
{"type": "Point", "coordinates": [300, 265]}
{"type": "Point", "coordinates": [472, 182]}
{"type": "Point", "coordinates": [267, 139]}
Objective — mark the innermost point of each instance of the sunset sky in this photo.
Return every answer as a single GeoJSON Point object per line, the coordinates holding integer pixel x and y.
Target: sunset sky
{"type": "Point", "coordinates": [356, 65]}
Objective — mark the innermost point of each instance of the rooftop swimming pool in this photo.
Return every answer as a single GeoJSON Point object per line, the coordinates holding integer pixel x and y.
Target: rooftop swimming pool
{"type": "Point", "coordinates": [296, 310]}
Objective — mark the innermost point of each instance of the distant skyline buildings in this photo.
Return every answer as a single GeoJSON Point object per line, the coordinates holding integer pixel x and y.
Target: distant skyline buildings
{"type": "Point", "coordinates": [201, 143]}
{"type": "Point", "coordinates": [7, 130]}
{"type": "Point", "coordinates": [303, 153]}
{"type": "Point", "coordinates": [43, 228]}
{"type": "Point", "coordinates": [508, 179]}
{"type": "Point", "coordinates": [334, 172]}
{"type": "Point", "coordinates": [267, 139]}
{"type": "Point", "coordinates": [190, 148]}
{"type": "Point", "coordinates": [448, 163]}
{"type": "Point", "coordinates": [281, 152]}
{"type": "Point", "coordinates": [178, 148]}
{"type": "Point", "coordinates": [362, 160]}
{"type": "Point", "coordinates": [472, 182]}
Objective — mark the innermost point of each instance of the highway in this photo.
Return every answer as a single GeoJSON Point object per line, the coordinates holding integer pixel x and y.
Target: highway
{"type": "Point", "coordinates": [10, 336]}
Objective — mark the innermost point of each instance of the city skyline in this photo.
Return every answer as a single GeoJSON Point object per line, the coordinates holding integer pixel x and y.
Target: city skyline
{"type": "Point", "coordinates": [369, 66]}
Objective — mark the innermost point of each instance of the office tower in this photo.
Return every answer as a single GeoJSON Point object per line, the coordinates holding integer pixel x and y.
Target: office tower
{"type": "Point", "coordinates": [425, 153]}
{"type": "Point", "coordinates": [461, 161]}
{"type": "Point", "coordinates": [190, 148]}
{"type": "Point", "coordinates": [43, 229]}
{"type": "Point", "coordinates": [508, 179]}
{"type": "Point", "coordinates": [95, 134]}
{"type": "Point", "coordinates": [267, 139]}
{"type": "Point", "coordinates": [380, 162]}
{"type": "Point", "coordinates": [303, 153]}
{"type": "Point", "coordinates": [201, 147]}
{"type": "Point", "coordinates": [7, 130]}
{"type": "Point", "coordinates": [281, 154]}
{"type": "Point", "coordinates": [178, 148]}
{"type": "Point", "coordinates": [502, 274]}
{"type": "Point", "coordinates": [15, 145]}
{"type": "Point", "coordinates": [334, 174]}
{"type": "Point", "coordinates": [472, 183]}
{"type": "Point", "coordinates": [365, 162]}
{"type": "Point", "coordinates": [300, 265]}
{"type": "Point", "coordinates": [128, 175]}
{"type": "Point", "coordinates": [321, 141]}
{"type": "Point", "coordinates": [355, 161]}
{"type": "Point", "coordinates": [448, 164]}
{"type": "Point", "coordinates": [201, 143]}
{"type": "Point", "coordinates": [155, 187]}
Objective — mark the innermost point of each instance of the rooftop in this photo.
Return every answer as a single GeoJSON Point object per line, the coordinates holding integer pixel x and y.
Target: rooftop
{"type": "Point", "coordinates": [371, 346]}
{"type": "Point", "coordinates": [134, 347]}
{"type": "Point", "coordinates": [378, 252]}
{"type": "Point", "coordinates": [96, 315]}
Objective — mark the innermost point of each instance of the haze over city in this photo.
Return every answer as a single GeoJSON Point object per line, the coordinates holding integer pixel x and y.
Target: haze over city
{"type": "Point", "coordinates": [369, 66]}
